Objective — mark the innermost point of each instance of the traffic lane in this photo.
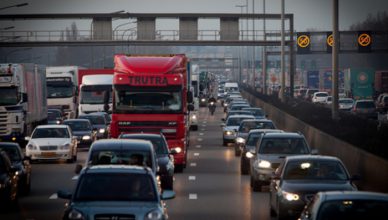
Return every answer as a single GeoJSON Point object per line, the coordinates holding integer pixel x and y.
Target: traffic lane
{"type": "Point", "coordinates": [47, 178]}
{"type": "Point", "coordinates": [211, 187]}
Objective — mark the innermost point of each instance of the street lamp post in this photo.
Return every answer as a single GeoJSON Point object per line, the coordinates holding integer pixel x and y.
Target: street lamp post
{"type": "Point", "coordinates": [264, 60]}
{"type": "Point", "coordinates": [282, 61]}
{"type": "Point", "coordinates": [253, 47]}
{"type": "Point", "coordinates": [335, 114]}
{"type": "Point", "coordinates": [239, 49]}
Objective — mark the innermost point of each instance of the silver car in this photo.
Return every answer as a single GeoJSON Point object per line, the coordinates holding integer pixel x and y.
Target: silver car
{"type": "Point", "coordinates": [229, 128]}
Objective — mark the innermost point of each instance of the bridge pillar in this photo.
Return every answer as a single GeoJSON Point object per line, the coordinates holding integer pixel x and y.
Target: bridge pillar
{"type": "Point", "coordinates": [146, 28]}
{"type": "Point", "coordinates": [229, 29]}
{"type": "Point", "coordinates": [188, 29]}
{"type": "Point", "coordinates": [102, 28]}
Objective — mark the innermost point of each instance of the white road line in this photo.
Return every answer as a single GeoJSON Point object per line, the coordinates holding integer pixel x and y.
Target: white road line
{"type": "Point", "coordinates": [203, 129]}
{"type": "Point", "coordinates": [192, 178]}
{"type": "Point", "coordinates": [75, 177]}
{"type": "Point", "coordinates": [200, 139]}
{"type": "Point", "coordinates": [196, 154]}
{"type": "Point", "coordinates": [53, 196]}
{"type": "Point", "coordinates": [193, 164]}
{"type": "Point", "coordinates": [193, 196]}
{"type": "Point", "coordinates": [198, 146]}
{"type": "Point", "coordinates": [201, 134]}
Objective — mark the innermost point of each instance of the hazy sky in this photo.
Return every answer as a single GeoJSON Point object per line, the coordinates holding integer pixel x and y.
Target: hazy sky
{"type": "Point", "coordinates": [308, 13]}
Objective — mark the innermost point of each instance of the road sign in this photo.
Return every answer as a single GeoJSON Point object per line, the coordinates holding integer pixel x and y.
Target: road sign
{"type": "Point", "coordinates": [330, 40]}
{"type": "Point", "coordinates": [303, 42]}
{"type": "Point", "coordinates": [364, 41]}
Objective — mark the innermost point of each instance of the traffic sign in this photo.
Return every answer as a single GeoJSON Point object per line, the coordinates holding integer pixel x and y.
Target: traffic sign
{"type": "Point", "coordinates": [303, 41]}
{"type": "Point", "coordinates": [330, 40]}
{"type": "Point", "coordinates": [364, 41]}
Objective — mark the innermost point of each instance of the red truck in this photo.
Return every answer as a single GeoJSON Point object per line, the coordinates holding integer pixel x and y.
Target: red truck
{"type": "Point", "coordinates": [151, 94]}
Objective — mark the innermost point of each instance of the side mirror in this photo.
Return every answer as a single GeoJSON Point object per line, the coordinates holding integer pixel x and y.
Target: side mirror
{"type": "Point", "coordinates": [190, 107]}
{"type": "Point", "coordinates": [27, 138]}
{"type": "Point", "coordinates": [173, 151]}
{"type": "Point", "coordinates": [167, 194]}
{"type": "Point", "coordinates": [64, 194]}
{"type": "Point", "coordinates": [78, 169]}
{"type": "Point", "coordinates": [25, 97]}
{"type": "Point", "coordinates": [189, 97]}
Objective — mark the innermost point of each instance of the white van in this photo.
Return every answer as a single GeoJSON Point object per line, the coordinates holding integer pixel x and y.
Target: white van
{"type": "Point", "coordinates": [231, 87]}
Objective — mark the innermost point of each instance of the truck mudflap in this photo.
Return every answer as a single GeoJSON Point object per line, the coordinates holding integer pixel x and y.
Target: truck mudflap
{"type": "Point", "coordinates": [180, 146]}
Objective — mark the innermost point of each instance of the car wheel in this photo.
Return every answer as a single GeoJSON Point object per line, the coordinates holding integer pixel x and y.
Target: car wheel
{"type": "Point", "coordinates": [256, 186]}
{"type": "Point", "coordinates": [168, 183]}
{"type": "Point", "coordinates": [244, 167]}
{"type": "Point", "coordinates": [178, 168]}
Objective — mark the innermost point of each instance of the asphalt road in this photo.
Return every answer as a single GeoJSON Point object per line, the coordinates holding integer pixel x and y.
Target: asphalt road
{"type": "Point", "coordinates": [211, 186]}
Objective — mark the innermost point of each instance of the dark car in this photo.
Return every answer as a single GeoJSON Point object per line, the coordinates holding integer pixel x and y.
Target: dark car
{"type": "Point", "coordinates": [122, 152]}
{"type": "Point", "coordinates": [54, 116]}
{"type": "Point", "coordinates": [116, 192]}
{"type": "Point", "coordinates": [299, 178]}
{"type": "Point", "coordinates": [20, 163]}
{"type": "Point", "coordinates": [346, 205]}
{"type": "Point", "coordinates": [99, 124]}
{"type": "Point", "coordinates": [236, 112]}
{"type": "Point", "coordinates": [164, 157]}
{"type": "Point", "coordinates": [365, 108]}
{"type": "Point", "coordinates": [83, 130]}
{"type": "Point", "coordinates": [8, 182]}
{"type": "Point", "coordinates": [245, 127]}
{"type": "Point", "coordinates": [257, 112]}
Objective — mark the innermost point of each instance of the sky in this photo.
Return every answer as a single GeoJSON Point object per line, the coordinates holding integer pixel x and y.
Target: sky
{"type": "Point", "coordinates": [309, 14]}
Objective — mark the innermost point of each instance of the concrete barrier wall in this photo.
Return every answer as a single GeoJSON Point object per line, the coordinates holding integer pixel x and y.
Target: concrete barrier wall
{"type": "Point", "coordinates": [372, 169]}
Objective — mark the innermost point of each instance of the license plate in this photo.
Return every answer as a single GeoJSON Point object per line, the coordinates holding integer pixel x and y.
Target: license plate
{"type": "Point", "coordinates": [48, 154]}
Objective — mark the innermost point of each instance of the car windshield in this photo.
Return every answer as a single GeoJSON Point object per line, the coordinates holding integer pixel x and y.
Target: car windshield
{"type": "Point", "coordinates": [366, 105]}
{"type": "Point", "coordinates": [321, 94]}
{"type": "Point", "coordinates": [12, 152]}
{"type": "Point", "coordinates": [357, 209]}
{"type": "Point", "coordinates": [234, 121]}
{"type": "Point", "coordinates": [159, 144]}
{"type": "Point", "coordinates": [345, 101]}
{"type": "Point", "coordinates": [52, 116]}
{"type": "Point", "coordinates": [283, 146]}
{"type": "Point", "coordinates": [257, 112]}
{"type": "Point", "coordinates": [50, 133]}
{"type": "Point", "coordinates": [78, 125]}
{"type": "Point", "coordinates": [247, 126]}
{"type": "Point", "coordinates": [115, 187]}
{"type": "Point", "coordinates": [95, 120]}
{"type": "Point", "coordinates": [252, 139]}
{"type": "Point", "coordinates": [315, 170]}
{"type": "Point", "coordinates": [121, 156]}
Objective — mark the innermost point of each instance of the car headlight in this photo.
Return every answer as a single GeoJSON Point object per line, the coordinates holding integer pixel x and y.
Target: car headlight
{"type": "Point", "coordinates": [32, 147]}
{"type": "Point", "coordinates": [75, 214]}
{"type": "Point", "coordinates": [290, 196]}
{"type": "Point", "coordinates": [154, 215]}
{"type": "Point", "coordinates": [86, 137]}
{"type": "Point", "coordinates": [263, 164]}
{"type": "Point", "coordinates": [203, 100]}
{"type": "Point", "coordinates": [240, 140]}
{"type": "Point", "coordinates": [229, 132]}
{"type": "Point", "coordinates": [101, 130]}
{"type": "Point", "coordinates": [65, 147]}
{"type": "Point", "coordinates": [58, 122]}
{"type": "Point", "coordinates": [194, 117]}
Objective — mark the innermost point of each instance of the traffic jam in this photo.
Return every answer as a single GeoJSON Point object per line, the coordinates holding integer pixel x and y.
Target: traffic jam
{"type": "Point", "coordinates": [135, 123]}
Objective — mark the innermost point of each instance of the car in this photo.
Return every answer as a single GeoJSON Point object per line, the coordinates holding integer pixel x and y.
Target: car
{"type": "Point", "coordinates": [82, 129]}
{"type": "Point", "coordinates": [345, 104]}
{"type": "Point", "coordinates": [54, 117]}
{"type": "Point", "coordinates": [245, 127]}
{"type": "Point", "coordinates": [319, 97]}
{"type": "Point", "coordinates": [270, 152]}
{"type": "Point", "coordinates": [121, 152]}
{"type": "Point", "coordinates": [309, 94]}
{"type": "Point", "coordinates": [299, 178]}
{"type": "Point", "coordinates": [8, 182]}
{"type": "Point", "coordinates": [52, 142]}
{"type": "Point", "coordinates": [99, 124]}
{"type": "Point", "coordinates": [238, 106]}
{"type": "Point", "coordinates": [382, 102]}
{"type": "Point", "coordinates": [229, 128]}
{"type": "Point", "coordinates": [365, 108]}
{"type": "Point", "coordinates": [116, 192]}
{"type": "Point", "coordinates": [107, 116]}
{"type": "Point", "coordinates": [328, 101]}
{"type": "Point", "coordinates": [249, 145]}
{"type": "Point", "coordinates": [257, 112]}
{"type": "Point", "coordinates": [20, 163]}
{"type": "Point", "coordinates": [164, 157]}
{"type": "Point", "coordinates": [203, 101]}
{"type": "Point", "coordinates": [237, 112]}
{"type": "Point", "coordinates": [336, 205]}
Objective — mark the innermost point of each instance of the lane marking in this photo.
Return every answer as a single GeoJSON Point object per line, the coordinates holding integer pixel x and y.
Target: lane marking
{"type": "Point", "coordinates": [192, 178]}
{"type": "Point", "coordinates": [193, 164]}
{"type": "Point", "coordinates": [201, 134]}
{"type": "Point", "coordinates": [196, 154]}
{"type": "Point", "coordinates": [53, 196]}
{"type": "Point", "coordinates": [75, 177]}
{"type": "Point", "coordinates": [203, 129]}
{"type": "Point", "coordinates": [198, 146]}
{"type": "Point", "coordinates": [193, 196]}
{"type": "Point", "coordinates": [200, 139]}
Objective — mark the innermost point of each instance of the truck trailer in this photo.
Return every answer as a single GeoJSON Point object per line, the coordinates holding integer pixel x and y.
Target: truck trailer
{"type": "Point", "coordinates": [23, 104]}
{"type": "Point", "coordinates": [359, 83]}
{"type": "Point", "coordinates": [150, 94]}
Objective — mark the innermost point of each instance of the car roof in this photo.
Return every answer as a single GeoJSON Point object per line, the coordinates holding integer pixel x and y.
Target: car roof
{"type": "Point", "coordinates": [353, 195]}
{"type": "Point", "coordinates": [9, 144]}
{"type": "Point", "coordinates": [52, 126]}
{"type": "Point", "coordinates": [257, 120]}
{"type": "Point", "coordinates": [120, 144]}
{"type": "Point", "coordinates": [311, 157]}
{"type": "Point", "coordinates": [283, 135]}
{"type": "Point", "coordinates": [77, 119]}
{"type": "Point", "coordinates": [241, 116]}
{"type": "Point", "coordinates": [91, 114]}
{"type": "Point", "coordinates": [265, 131]}
{"type": "Point", "coordinates": [252, 108]}
{"type": "Point", "coordinates": [116, 169]}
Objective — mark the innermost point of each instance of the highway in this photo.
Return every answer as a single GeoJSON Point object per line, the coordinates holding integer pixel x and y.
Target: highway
{"type": "Point", "coordinates": [211, 186]}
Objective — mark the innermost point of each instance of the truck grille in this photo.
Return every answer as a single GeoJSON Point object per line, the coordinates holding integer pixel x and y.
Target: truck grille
{"type": "Point", "coordinates": [3, 122]}
{"type": "Point", "coordinates": [44, 148]}
{"type": "Point", "coordinates": [114, 217]}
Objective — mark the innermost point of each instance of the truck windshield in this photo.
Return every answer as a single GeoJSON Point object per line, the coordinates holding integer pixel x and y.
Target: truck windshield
{"type": "Point", "coordinates": [95, 94]}
{"type": "Point", "coordinates": [148, 101]}
{"type": "Point", "coordinates": [9, 96]}
{"type": "Point", "coordinates": [54, 91]}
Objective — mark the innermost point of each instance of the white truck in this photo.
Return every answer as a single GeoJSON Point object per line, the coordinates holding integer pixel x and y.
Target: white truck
{"type": "Point", "coordinates": [93, 90]}
{"type": "Point", "coordinates": [62, 89]}
{"type": "Point", "coordinates": [194, 87]}
{"type": "Point", "coordinates": [23, 104]}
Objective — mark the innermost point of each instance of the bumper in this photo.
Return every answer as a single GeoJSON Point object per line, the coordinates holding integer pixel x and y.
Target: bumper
{"type": "Point", "coordinates": [229, 138]}
{"type": "Point", "coordinates": [290, 208]}
{"type": "Point", "coordinates": [262, 175]}
{"type": "Point", "coordinates": [51, 155]}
